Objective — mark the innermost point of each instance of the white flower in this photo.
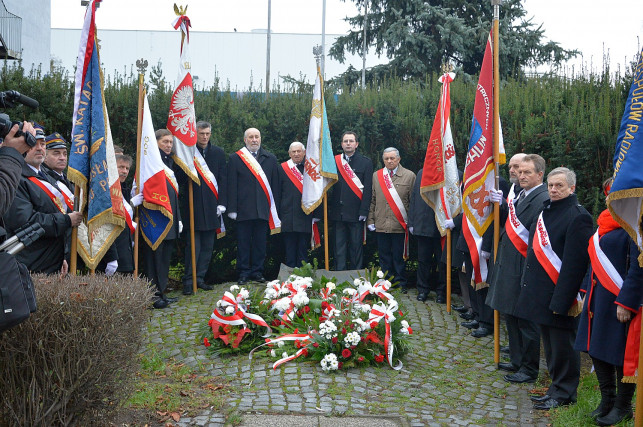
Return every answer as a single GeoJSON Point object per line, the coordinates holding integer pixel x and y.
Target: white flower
{"type": "Point", "coordinates": [282, 304]}
{"type": "Point", "coordinates": [244, 293]}
{"type": "Point", "coordinates": [219, 303]}
{"type": "Point", "coordinates": [328, 329]}
{"type": "Point", "coordinates": [234, 288]}
{"type": "Point", "coordinates": [229, 310]}
{"type": "Point", "coordinates": [357, 282]}
{"type": "Point", "coordinates": [380, 274]}
{"type": "Point", "coordinates": [404, 331]}
{"type": "Point", "coordinates": [284, 354]}
{"type": "Point", "coordinates": [350, 291]}
{"type": "Point", "coordinates": [300, 299]}
{"type": "Point", "coordinates": [351, 339]}
{"type": "Point", "coordinates": [360, 325]}
{"type": "Point", "coordinates": [270, 294]}
{"type": "Point", "coordinates": [331, 286]}
{"type": "Point", "coordinates": [366, 308]}
{"type": "Point", "coordinates": [405, 324]}
{"type": "Point", "coordinates": [280, 343]}
{"type": "Point", "coordinates": [273, 353]}
{"type": "Point", "coordinates": [329, 362]}
{"type": "Point", "coordinates": [272, 284]}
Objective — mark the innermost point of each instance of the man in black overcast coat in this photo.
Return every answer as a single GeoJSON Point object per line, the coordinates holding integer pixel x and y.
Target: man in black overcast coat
{"type": "Point", "coordinates": [348, 211]}
{"type": "Point", "coordinates": [248, 205]}
{"type": "Point", "coordinates": [208, 209]}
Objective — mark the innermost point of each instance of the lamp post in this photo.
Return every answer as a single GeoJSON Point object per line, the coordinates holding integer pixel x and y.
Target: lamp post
{"type": "Point", "coordinates": [268, 53]}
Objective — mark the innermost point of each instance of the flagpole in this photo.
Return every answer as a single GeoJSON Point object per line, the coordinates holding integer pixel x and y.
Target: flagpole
{"type": "Point", "coordinates": [496, 160]}
{"type": "Point", "coordinates": [448, 270]}
{"type": "Point", "coordinates": [141, 64]}
{"type": "Point", "coordinates": [73, 260]}
{"type": "Point", "coordinates": [192, 243]}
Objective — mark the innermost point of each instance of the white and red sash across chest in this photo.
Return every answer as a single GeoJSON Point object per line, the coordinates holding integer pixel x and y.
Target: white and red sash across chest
{"type": "Point", "coordinates": [59, 194]}
{"type": "Point", "coordinates": [394, 201]}
{"type": "Point", "coordinates": [517, 232]}
{"type": "Point", "coordinates": [296, 177]}
{"type": "Point", "coordinates": [255, 168]}
{"type": "Point", "coordinates": [352, 181]}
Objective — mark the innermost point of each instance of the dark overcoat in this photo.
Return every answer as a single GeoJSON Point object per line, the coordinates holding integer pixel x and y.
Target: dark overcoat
{"type": "Point", "coordinates": [245, 195]}
{"type": "Point", "coordinates": [344, 205]}
{"type": "Point", "coordinates": [541, 301]}
{"type": "Point", "coordinates": [504, 279]}
{"type": "Point", "coordinates": [205, 202]}
{"type": "Point", "coordinates": [292, 216]}
{"type": "Point", "coordinates": [421, 215]}
{"type": "Point", "coordinates": [602, 335]}
{"type": "Point", "coordinates": [32, 205]}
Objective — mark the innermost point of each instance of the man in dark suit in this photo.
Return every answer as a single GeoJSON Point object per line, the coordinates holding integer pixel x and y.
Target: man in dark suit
{"type": "Point", "coordinates": [556, 263]}
{"type": "Point", "coordinates": [38, 200]}
{"type": "Point", "coordinates": [296, 226]}
{"type": "Point", "coordinates": [504, 282]}
{"type": "Point", "coordinates": [350, 201]}
{"type": "Point", "coordinates": [253, 173]}
{"type": "Point", "coordinates": [56, 159]}
{"type": "Point", "coordinates": [423, 226]}
{"type": "Point", "coordinates": [208, 208]}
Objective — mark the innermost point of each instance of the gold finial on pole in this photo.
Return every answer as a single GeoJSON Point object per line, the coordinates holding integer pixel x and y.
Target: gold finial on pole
{"type": "Point", "coordinates": [180, 10]}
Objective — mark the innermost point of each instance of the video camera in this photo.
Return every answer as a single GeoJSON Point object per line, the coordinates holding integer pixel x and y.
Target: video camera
{"type": "Point", "coordinates": [8, 99]}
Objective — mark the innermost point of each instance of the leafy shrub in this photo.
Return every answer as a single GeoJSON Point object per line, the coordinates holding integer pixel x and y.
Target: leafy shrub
{"type": "Point", "coordinates": [76, 356]}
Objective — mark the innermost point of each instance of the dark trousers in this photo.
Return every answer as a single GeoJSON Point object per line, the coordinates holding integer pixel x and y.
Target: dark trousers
{"type": "Point", "coordinates": [297, 245]}
{"type": "Point", "coordinates": [156, 265]}
{"type": "Point", "coordinates": [563, 362]}
{"type": "Point", "coordinates": [349, 238]}
{"type": "Point", "coordinates": [252, 236]}
{"type": "Point", "coordinates": [524, 344]}
{"type": "Point", "coordinates": [203, 247]}
{"type": "Point", "coordinates": [483, 313]}
{"type": "Point", "coordinates": [390, 247]}
{"type": "Point", "coordinates": [609, 380]}
{"type": "Point", "coordinates": [429, 254]}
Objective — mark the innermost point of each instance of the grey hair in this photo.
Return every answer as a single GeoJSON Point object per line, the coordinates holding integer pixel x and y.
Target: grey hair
{"type": "Point", "coordinates": [245, 132]}
{"type": "Point", "coordinates": [390, 149]}
{"type": "Point", "coordinates": [201, 124]}
{"type": "Point", "coordinates": [296, 144]}
{"type": "Point", "coordinates": [538, 161]}
{"type": "Point", "coordinates": [570, 176]}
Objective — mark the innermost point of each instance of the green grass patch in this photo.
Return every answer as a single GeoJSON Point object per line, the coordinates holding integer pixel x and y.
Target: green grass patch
{"type": "Point", "coordinates": [589, 396]}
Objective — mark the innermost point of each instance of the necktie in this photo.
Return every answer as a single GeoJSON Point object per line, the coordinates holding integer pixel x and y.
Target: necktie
{"type": "Point", "coordinates": [348, 159]}
{"type": "Point", "coordinates": [521, 197]}
{"type": "Point", "coordinates": [390, 173]}
{"type": "Point", "coordinates": [254, 154]}
{"type": "Point", "coordinates": [41, 175]}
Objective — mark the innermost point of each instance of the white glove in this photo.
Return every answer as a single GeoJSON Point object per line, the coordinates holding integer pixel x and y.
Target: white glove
{"type": "Point", "coordinates": [232, 215]}
{"type": "Point", "coordinates": [371, 227]}
{"type": "Point", "coordinates": [449, 224]}
{"type": "Point", "coordinates": [220, 210]}
{"type": "Point", "coordinates": [411, 230]}
{"type": "Point", "coordinates": [495, 196]}
{"type": "Point", "coordinates": [315, 220]}
{"type": "Point", "coordinates": [137, 200]}
{"type": "Point", "coordinates": [485, 254]}
{"type": "Point", "coordinates": [134, 190]}
{"type": "Point", "coordinates": [362, 218]}
{"type": "Point", "coordinates": [111, 267]}
{"type": "Point", "coordinates": [180, 227]}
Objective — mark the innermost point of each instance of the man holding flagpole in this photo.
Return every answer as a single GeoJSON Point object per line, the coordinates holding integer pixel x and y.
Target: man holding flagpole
{"type": "Point", "coordinates": [350, 201]}
{"type": "Point", "coordinates": [387, 216]}
{"type": "Point", "coordinates": [253, 173]}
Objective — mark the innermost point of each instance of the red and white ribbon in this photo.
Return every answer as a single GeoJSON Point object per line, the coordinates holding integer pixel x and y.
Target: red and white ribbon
{"type": "Point", "coordinates": [395, 203]}
{"type": "Point", "coordinates": [255, 168]}
{"type": "Point", "coordinates": [381, 312]}
{"type": "Point", "coordinates": [516, 231]}
{"type": "Point", "coordinates": [239, 314]}
{"type": "Point", "coordinates": [349, 176]}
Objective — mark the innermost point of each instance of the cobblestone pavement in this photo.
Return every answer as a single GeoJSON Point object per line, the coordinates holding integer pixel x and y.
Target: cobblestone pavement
{"type": "Point", "coordinates": [448, 378]}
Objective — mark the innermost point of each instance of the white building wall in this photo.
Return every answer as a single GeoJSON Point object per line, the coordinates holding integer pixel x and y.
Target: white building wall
{"type": "Point", "coordinates": [238, 59]}
{"type": "Point", "coordinates": [36, 34]}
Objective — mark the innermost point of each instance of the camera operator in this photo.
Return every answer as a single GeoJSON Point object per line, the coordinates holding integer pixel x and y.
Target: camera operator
{"type": "Point", "coordinates": [11, 162]}
{"type": "Point", "coordinates": [39, 200]}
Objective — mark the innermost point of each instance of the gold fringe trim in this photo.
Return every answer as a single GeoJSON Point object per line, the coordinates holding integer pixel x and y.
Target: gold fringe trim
{"type": "Point", "coordinates": [90, 262]}
{"type": "Point", "coordinates": [194, 177]}
{"type": "Point", "coordinates": [275, 230]}
{"type": "Point", "coordinates": [627, 194]}
{"type": "Point", "coordinates": [575, 310]}
{"type": "Point", "coordinates": [629, 380]}
{"type": "Point", "coordinates": [481, 285]}
{"type": "Point", "coordinates": [221, 235]}
{"type": "Point", "coordinates": [309, 210]}
{"type": "Point", "coordinates": [168, 227]}
{"type": "Point", "coordinates": [103, 218]}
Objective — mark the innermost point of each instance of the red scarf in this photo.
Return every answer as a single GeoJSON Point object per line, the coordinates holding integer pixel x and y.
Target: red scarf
{"type": "Point", "coordinates": [606, 223]}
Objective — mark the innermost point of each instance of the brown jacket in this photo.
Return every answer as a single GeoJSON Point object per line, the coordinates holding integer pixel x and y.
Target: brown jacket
{"type": "Point", "coordinates": [380, 212]}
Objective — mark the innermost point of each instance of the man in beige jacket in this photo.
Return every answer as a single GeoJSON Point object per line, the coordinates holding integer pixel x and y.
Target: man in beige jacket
{"type": "Point", "coordinates": [392, 187]}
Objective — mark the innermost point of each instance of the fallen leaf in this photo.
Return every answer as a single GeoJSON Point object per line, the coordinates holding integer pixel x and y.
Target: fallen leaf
{"type": "Point", "coordinates": [175, 416]}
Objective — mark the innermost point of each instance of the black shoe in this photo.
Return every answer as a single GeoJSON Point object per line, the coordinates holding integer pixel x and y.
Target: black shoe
{"type": "Point", "coordinates": [467, 315]}
{"type": "Point", "coordinates": [459, 308]}
{"type": "Point", "coordinates": [471, 324]}
{"type": "Point", "coordinates": [441, 299]}
{"type": "Point", "coordinates": [504, 349]}
{"type": "Point", "coordinates": [480, 332]}
{"type": "Point", "coordinates": [551, 404]}
{"type": "Point", "coordinates": [521, 378]}
{"type": "Point", "coordinates": [506, 366]}
{"type": "Point", "coordinates": [604, 408]}
{"type": "Point", "coordinates": [171, 300]}
{"type": "Point", "coordinates": [422, 296]}
{"type": "Point", "coordinates": [160, 303]}
{"type": "Point", "coordinates": [204, 287]}
{"type": "Point", "coordinates": [187, 290]}
{"type": "Point", "coordinates": [259, 278]}
{"type": "Point", "coordinates": [615, 416]}
{"type": "Point", "coordinates": [538, 399]}
{"type": "Point", "coordinates": [243, 281]}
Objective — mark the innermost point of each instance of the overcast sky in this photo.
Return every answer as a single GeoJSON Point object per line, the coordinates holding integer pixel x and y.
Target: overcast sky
{"type": "Point", "coordinates": [587, 25]}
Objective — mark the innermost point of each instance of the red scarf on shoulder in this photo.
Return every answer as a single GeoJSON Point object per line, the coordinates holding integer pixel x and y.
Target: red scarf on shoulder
{"type": "Point", "coordinates": [606, 223]}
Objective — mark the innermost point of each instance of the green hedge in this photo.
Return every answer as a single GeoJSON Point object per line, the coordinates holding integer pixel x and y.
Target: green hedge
{"type": "Point", "coordinates": [571, 122]}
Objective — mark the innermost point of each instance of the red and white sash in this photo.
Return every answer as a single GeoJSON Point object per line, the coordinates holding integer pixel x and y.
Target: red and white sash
{"type": "Point", "coordinates": [210, 180]}
{"type": "Point", "coordinates": [516, 231]}
{"type": "Point", "coordinates": [395, 203]}
{"type": "Point", "coordinates": [297, 179]}
{"type": "Point", "coordinates": [61, 200]}
{"type": "Point", "coordinates": [349, 176]}
{"type": "Point", "coordinates": [545, 254]}
{"type": "Point", "coordinates": [171, 178]}
{"type": "Point", "coordinates": [255, 168]}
